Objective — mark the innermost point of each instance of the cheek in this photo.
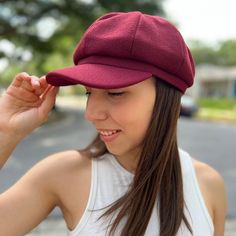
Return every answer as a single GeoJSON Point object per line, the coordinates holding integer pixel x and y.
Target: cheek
{"type": "Point", "coordinates": [134, 119]}
{"type": "Point", "coordinates": [141, 121]}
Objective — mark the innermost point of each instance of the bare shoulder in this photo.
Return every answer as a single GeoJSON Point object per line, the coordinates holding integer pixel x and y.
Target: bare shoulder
{"type": "Point", "coordinates": [66, 160]}
{"type": "Point", "coordinates": [208, 176]}
{"type": "Point", "coordinates": [59, 168]}
{"type": "Point", "coordinates": [70, 180]}
{"type": "Point", "coordinates": [213, 189]}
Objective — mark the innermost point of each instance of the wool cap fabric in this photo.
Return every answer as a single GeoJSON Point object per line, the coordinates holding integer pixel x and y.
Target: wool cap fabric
{"type": "Point", "coordinates": [124, 48]}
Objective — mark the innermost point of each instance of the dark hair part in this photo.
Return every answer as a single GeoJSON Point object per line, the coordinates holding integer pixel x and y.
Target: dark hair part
{"type": "Point", "coordinates": [158, 175]}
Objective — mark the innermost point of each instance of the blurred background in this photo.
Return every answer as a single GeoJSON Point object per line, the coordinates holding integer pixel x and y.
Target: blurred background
{"type": "Point", "coordinates": [39, 36]}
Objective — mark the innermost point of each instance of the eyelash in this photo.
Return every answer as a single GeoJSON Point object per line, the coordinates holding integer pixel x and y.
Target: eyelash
{"type": "Point", "coordinates": [109, 93]}
{"type": "Point", "coordinates": [116, 94]}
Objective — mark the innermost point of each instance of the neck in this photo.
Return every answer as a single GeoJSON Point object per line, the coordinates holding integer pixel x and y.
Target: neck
{"type": "Point", "coordinates": [129, 160]}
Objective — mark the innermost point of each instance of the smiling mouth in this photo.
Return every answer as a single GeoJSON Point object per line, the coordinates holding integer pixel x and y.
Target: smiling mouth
{"type": "Point", "coordinates": [108, 132]}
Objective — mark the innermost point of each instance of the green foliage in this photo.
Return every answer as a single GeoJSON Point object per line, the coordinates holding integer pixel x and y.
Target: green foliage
{"type": "Point", "coordinates": [203, 53]}
{"type": "Point", "coordinates": [217, 103]}
{"type": "Point", "coordinates": [223, 54]}
{"type": "Point", "coordinates": [20, 21]}
{"type": "Point", "coordinates": [9, 72]}
{"type": "Point", "coordinates": [146, 6]}
{"type": "Point", "coordinates": [227, 52]}
{"type": "Point", "coordinates": [78, 90]}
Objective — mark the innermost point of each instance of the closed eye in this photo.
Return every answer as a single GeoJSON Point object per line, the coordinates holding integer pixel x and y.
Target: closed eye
{"type": "Point", "coordinates": [109, 93]}
{"type": "Point", "coordinates": [115, 94]}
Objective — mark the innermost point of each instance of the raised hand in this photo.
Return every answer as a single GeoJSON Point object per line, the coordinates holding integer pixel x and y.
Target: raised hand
{"type": "Point", "coordinates": [26, 104]}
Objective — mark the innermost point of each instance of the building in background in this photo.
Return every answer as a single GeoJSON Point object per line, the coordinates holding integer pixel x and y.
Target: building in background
{"type": "Point", "coordinates": [214, 81]}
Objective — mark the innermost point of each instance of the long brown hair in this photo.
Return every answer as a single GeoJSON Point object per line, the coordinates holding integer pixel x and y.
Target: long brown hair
{"type": "Point", "coordinates": [158, 173]}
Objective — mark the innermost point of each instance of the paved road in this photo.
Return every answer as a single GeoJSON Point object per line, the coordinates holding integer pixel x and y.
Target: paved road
{"type": "Point", "coordinates": [215, 144]}
{"type": "Point", "coordinates": [210, 142]}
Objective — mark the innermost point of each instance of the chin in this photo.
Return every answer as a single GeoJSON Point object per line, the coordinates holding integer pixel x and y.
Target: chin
{"type": "Point", "coordinates": [114, 152]}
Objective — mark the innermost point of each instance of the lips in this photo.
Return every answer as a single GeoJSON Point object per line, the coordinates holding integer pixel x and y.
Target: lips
{"type": "Point", "coordinates": [109, 135]}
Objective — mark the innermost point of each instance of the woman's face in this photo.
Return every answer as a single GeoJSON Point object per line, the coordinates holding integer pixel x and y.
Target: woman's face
{"type": "Point", "coordinates": [122, 116]}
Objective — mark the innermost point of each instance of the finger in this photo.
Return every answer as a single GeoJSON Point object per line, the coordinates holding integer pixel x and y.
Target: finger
{"type": "Point", "coordinates": [43, 95]}
{"type": "Point", "coordinates": [48, 90]}
{"type": "Point", "coordinates": [27, 85]}
{"type": "Point", "coordinates": [35, 82]}
{"type": "Point", "coordinates": [43, 78]}
{"type": "Point", "coordinates": [26, 82]}
{"type": "Point", "coordinates": [43, 82]}
{"type": "Point", "coordinates": [43, 86]}
{"type": "Point", "coordinates": [21, 88]}
{"type": "Point", "coordinates": [49, 99]}
{"type": "Point", "coordinates": [37, 88]}
{"type": "Point", "coordinates": [19, 78]}
{"type": "Point", "coordinates": [22, 94]}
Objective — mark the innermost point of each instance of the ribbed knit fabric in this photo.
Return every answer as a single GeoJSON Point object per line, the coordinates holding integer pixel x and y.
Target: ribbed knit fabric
{"type": "Point", "coordinates": [110, 180]}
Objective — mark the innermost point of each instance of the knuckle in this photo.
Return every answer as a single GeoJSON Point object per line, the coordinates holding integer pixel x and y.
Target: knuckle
{"type": "Point", "coordinates": [34, 77]}
{"type": "Point", "coordinates": [21, 74]}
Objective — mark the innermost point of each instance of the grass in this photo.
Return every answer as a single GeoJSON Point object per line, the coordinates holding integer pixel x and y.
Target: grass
{"type": "Point", "coordinates": [217, 109]}
{"type": "Point", "coordinates": [217, 103]}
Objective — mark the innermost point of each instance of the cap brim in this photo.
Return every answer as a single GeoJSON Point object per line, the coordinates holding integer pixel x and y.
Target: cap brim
{"type": "Point", "coordinates": [96, 76]}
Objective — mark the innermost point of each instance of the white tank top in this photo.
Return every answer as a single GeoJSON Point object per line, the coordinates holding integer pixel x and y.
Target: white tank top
{"type": "Point", "coordinates": [110, 180]}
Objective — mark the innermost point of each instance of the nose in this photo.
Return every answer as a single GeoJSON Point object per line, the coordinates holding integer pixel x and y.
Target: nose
{"type": "Point", "coordinates": [95, 109]}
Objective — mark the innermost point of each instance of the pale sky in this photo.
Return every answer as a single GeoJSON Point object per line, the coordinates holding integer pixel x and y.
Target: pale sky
{"type": "Point", "coordinates": [208, 20]}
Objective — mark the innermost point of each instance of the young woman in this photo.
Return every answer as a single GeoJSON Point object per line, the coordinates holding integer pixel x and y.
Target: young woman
{"type": "Point", "coordinates": [132, 179]}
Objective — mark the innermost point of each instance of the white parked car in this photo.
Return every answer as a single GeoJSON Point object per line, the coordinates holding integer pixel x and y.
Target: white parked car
{"type": "Point", "coordinates": [188, 106]}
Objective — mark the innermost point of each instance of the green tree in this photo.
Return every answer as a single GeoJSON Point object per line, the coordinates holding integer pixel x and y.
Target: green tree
{"type": "Point", "coordinates": [203, 53]}
{"type": "Point", "coordinates": [227, 53]}
{"type": "Point", "coordinates": [25, 23]}
{"type": "Point", "coordinates": [222, 54]}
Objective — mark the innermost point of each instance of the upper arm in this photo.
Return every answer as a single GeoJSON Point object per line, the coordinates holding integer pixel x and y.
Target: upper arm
{"type": "Point", "coordinates": [29, 201]}
{"type": "Point", "coordinates": [213, 189]}
{"type": "Point", "coordinates": [219, 200]}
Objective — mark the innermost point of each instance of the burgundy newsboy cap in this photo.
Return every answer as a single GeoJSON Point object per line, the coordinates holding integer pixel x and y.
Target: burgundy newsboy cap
{"type": "Point", "coordinates": [123, 48]}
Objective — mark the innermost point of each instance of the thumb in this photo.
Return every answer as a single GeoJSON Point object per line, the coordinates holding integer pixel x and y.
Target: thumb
{"type": "Point", "coordinates": [49, 99]}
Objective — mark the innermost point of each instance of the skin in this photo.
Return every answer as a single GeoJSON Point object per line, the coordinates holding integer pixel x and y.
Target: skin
{"type": "Point", "coordinates": [30, 99]}
{"type": "Point", "coordinates": [115, 103]}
